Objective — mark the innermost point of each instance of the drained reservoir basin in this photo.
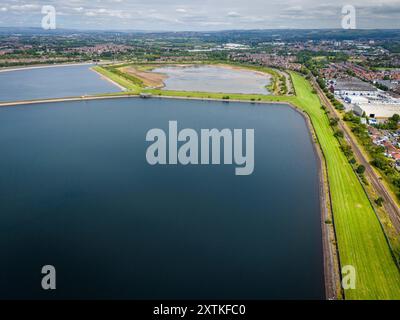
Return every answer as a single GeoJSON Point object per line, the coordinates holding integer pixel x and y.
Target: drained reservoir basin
{"type": "Point", "coordinates": [76, 192]}
{"type": "Point", "coordinates": [215, 79]}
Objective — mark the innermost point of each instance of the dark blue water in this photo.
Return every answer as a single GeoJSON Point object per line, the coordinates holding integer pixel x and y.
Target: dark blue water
{"type": "Point", "coordinates": [76, 192]}
{"type": "Point", "coordinates": [42, 83]}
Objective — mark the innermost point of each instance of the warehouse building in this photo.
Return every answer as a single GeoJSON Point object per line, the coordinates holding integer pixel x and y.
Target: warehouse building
{"type": "Point", "coordinates": [379, 111]}
{"type": "Point", "coordinates": [354, 87]}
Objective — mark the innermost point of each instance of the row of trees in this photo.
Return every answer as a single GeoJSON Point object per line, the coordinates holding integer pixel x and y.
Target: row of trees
{"type": "Point", "coordinates": [312, 66]}
{"type": "Point", "coordinates": [346, 149]}
{"type": "Point", "coordinates": [379, 160]}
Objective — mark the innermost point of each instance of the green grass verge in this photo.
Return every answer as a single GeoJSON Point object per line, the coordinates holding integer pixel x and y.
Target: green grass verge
{"type": "Point", "coordinates": [124, 82]}
{"type": "Point", "coordinates": [360, 237]}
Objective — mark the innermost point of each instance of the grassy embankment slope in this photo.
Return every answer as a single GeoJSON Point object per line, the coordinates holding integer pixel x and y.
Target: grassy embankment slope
{"type": "Point", "coordinates": [128, 85]}
{"type": "Point", "coordinates": [361, 240]}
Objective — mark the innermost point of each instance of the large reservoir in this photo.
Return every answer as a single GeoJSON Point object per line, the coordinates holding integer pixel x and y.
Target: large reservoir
{"type": "Point", "coordinates": [76, 192]}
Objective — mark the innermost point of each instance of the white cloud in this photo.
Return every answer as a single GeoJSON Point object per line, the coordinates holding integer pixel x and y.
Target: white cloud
{"type": "Point", "coordinates": [233, 14]}
{"type": "Point", "coordinates": [25, 7]}
{"type": "Point", "coordinates": [102, 12]}
{"type": "Point", "coordinates": [90, 14]}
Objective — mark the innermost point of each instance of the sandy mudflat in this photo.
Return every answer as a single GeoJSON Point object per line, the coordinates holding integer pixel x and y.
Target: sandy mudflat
{"type": "Point", "coordinates": [150, 79]}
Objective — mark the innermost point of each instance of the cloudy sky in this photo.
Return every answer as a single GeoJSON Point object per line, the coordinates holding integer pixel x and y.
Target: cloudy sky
{"type": "Point", "coordinates": [200, 14]}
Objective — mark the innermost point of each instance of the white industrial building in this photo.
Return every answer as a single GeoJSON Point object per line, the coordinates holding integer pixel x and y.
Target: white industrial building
{"type": "Point", "coordinates": [356, 99]}
{"type": "Point", "coordinates": [378, 111]}
{"type": "Point", "coordinates": [354, 87]}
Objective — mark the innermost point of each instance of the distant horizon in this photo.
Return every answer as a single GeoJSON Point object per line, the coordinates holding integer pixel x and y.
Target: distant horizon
{"type": "Point", "coordinates": [197, 31]}
{"type": "Point", "coordinates": [202, 16]}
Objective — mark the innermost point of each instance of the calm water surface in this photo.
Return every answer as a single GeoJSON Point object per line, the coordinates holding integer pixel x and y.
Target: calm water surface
{"type": "Point", "coordinates": [76, 192]}
{"type": "Point", "coordinates": [214, 79]}
{"type": "Point", "coordinates": [53, 82]}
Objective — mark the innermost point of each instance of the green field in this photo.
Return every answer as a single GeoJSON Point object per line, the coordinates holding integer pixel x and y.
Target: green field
{"type": "Point", "coordinates": [361, 240]}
